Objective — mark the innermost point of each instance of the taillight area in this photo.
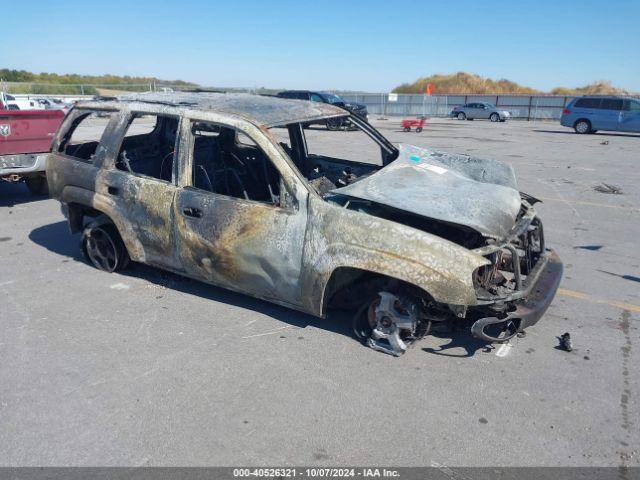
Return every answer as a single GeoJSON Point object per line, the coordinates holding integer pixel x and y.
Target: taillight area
{"type": "Point", "coordinates": [566, 111]}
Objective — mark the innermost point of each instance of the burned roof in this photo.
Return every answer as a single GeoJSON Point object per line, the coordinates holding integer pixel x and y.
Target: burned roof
{"type": "Point", "coordinates": [262, 110]}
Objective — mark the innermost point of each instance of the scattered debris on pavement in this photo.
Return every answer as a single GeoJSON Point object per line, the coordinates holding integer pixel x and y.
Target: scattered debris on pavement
{"type": "Point", "coordinates": [565, 342]}
{"type": "Point", "coordinates": [608, 188]}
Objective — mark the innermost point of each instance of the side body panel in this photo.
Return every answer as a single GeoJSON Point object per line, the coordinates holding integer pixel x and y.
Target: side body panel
{"type": "Point", "coordinates": [244, 245]}
{"type": "Point", "coordinates": [240, 244]}
{"type": "Point", "coordinates": [606, 119]}
{"type": "Point", "coordinates": [471, 111]}
{"type": "Point", "coordinates": [140, 207]}
{"type": "Point", "coordinates": [484, 112]}
{"type": "Point", "coordinates": [630, 117]}
{"type": "Point", "coordinates": [338, 237]}
{"type": "Point", "coordinates": [144, 203]}
{"type": "Point", "coordinates": [146, 206]}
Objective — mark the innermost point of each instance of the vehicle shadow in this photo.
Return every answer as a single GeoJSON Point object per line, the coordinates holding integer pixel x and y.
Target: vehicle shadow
{"type": "Point", "coordinates": [15, 193]}
{"type": "Point", "coordinates": [335, 321]}
{"type": "Point", "coordinates": [460, 337]}
{"type": "Point", "coordinates": [604, 134]}
{"type": "Point", "coordinates": [57, 238]}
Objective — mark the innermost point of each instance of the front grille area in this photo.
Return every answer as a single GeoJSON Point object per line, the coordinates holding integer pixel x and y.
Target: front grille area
{"type": "Point", "coordinates": [512, 261]}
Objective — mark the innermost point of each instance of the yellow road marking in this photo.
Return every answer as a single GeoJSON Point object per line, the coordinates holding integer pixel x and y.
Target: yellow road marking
{"type": "Point", "coordinates": [590, 204]}
{"type": "Point", "coordinates": [589, 298]}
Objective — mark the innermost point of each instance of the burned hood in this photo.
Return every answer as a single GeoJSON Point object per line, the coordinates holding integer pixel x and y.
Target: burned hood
{"type": "Point", "coordinates": [459, 189]}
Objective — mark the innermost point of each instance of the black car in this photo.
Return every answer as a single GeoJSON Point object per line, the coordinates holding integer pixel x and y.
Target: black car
{"type": "Point", "coordinates": [330, 98]}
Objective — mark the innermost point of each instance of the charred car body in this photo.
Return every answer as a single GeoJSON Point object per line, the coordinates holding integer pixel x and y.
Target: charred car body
{"type": "Point", "coordinates": [230, 189]}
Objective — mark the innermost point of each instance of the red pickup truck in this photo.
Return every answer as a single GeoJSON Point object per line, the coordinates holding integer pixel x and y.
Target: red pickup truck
{"type": "Point", "coordinates": [25, 139]}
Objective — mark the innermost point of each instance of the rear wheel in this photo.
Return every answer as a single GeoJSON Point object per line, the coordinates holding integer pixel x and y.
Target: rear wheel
{"type": "Point", "coordinates": [461, 116]}
{"type": "Point", "coordinates": [418, 130]}
{"type": "Point", "coordinates": [103, 247]}
{"type": "Point", "coordinates": [582, 126]}
{"type": "Point", "coordinates": [37, 185]}
{"type": "Point", "coordinates": [494, 117]}
{"type": "Point", "coordinates": [407, 129]}
{"type": "Point", "coordinates": [334, 124]}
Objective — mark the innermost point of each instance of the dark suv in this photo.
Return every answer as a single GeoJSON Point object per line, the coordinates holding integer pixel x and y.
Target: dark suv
{"type": "Point", "coordinates": [330, 98]}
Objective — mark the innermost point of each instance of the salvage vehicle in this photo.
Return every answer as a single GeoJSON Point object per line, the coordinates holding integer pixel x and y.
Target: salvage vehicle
{"type": "Point", "coordinates": [332, 99]}
{"type": "Point", "coordinates": [231, 190]}
{"type": "Point", "coordinates": [25, 138]}
{"type": "Point", "coordinates": [482, 110]}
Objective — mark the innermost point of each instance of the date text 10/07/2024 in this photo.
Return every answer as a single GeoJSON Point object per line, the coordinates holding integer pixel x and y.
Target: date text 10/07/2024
{"type": "Point", "coordinates": [315, 473]}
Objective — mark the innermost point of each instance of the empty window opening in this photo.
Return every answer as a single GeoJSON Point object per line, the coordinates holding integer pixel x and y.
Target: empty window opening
{"type": "Point", "coordinates": [149, 147]}
{"type": "Point", "coordinates": [83, 137]}
{"type": "Point", "coordinates": [334, 159]}
{"type": "Point", "coordinates": [230, 163]}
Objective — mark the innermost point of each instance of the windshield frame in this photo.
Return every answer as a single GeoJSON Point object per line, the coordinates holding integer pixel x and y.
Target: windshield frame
{"type": "Point", "coordinates": [333, 98]}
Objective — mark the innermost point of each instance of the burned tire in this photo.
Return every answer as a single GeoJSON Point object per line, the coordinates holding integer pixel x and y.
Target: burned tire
{"type": "Point", "coordinates": [103, 248]}
{"type": "Point", "coordinates": [334, 124]}
{"type": "Point", "coordinates": [582, 126]}
{"type": "Point", "coordinates": [37, 185]}
{"type": "Point", "coordinates": [361, 324]}
{"type": "Point", "coordinates": [494, 117]}
{"type": "Point", "coordinates": [462, 116]}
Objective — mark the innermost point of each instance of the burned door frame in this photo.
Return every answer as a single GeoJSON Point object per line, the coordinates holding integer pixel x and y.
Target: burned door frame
{"type": "Point", "coordinates": [143, 203]}
{"type": "Point", "coordinates": [244, 245]}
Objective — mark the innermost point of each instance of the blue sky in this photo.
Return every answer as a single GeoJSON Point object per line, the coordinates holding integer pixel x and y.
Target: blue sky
{"type": "Point", "coordinates": [360, 45]}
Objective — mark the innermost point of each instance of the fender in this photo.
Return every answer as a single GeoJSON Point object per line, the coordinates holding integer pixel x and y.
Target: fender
{"type": "Point", "coordinates": [453, 286]}
{"type": "Point", "coordinates": [339, 237]}
{"type": "Point", "coordinates": [104, 204]}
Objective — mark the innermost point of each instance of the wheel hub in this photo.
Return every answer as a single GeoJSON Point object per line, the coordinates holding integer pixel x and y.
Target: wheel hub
{"type": "Point", "coordinates": [101, 250]}
{"type": "Point", "coordinates": [391, 318]}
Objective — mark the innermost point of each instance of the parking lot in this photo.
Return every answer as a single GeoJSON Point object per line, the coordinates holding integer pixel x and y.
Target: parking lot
{"type": "Point", "coordinates": [148, 368]}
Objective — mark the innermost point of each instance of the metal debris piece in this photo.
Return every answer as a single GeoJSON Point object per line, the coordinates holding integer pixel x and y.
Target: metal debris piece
{"type": "Point", "coordinates": [608, 188]}
{"type": "Point", "coordinates": [565, 342]}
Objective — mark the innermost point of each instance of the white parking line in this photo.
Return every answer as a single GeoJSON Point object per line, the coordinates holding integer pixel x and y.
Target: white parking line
{"type": "Point", "coordinates": [504, 350]}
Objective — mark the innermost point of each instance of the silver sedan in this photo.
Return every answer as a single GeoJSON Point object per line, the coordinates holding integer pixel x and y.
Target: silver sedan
{"type": "Point", "coordinates": [471, 111]}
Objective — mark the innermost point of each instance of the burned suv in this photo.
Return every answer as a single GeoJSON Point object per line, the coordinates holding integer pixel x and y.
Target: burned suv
{"type": "Point", "coordinates": [231, 190]}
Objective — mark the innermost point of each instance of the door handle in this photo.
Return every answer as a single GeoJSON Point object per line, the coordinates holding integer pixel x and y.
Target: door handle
{"type": "Point", "coordinates": [192, 212]}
